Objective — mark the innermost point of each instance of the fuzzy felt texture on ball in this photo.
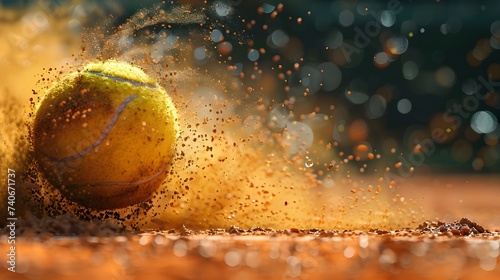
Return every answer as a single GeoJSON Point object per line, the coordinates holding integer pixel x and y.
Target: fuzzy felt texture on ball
{"type": "Point", "coordinates": [105, 136]}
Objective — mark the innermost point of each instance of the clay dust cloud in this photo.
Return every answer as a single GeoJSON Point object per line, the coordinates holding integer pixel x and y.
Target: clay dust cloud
{"type": "Point", "coordinates": [251, 150]}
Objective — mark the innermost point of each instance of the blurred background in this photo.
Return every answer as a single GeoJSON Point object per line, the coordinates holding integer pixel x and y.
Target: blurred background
{"type": "Point", "coordinates": [415, 81]}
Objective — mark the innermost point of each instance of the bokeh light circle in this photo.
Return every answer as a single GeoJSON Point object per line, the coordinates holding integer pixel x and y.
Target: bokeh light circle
{"type": "Point", "coordinates": [222, 8]}
{"type": "Point", "coordinates": [216, 36]}
{"type": "Point", "coordinates": [381, 58]}
{"type": "Point", "coordinates": [495, 42]}
{"type": "Point", "coordinates": [375, 108]}
{"type": "Point", "coordinates": [495, 28]}
{"type": "Point", "coordinates": [200, 55]}
{"type": "Point", "coordinates": [387, 18]}
{"type": "Point", "coordinates": [311, 79]}
{"type": "Point", "coordinates": [253, 55]}
{"type": "Point", "coordinates": [410, 70]}
{"type": "Point", "coordinates": [278, 39]}
{"type": "Point", "coordinates": [470, 86]}
{"type": "Point", "coordinates": [346, 18]}
{"type": "Point", "coordinates": [397, 44]}
{"type": "Point", "coordinates": [297, 137]}
{"type": "Point", "coordinates": [334, 39]}
{"type": "Point", "coordinates": [483, 122]}
{"type": "Point", "coordinates": [445, 76]}
{"type": "Point", "coordinates": [404, 106]}
{"type": "Point", "coordinates": [331, 76]}
{"type": "Point", "coordinates": [279, 116]}
{"type": "Point", "coordinates": [356, 91]}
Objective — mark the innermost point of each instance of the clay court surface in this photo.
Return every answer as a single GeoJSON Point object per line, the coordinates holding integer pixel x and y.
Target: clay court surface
{"type": "Point", "coordinates": [431, 251]}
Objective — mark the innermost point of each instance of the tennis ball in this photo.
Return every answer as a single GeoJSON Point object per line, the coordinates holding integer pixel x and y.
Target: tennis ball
{"type": "Point", "coordinates": [105, 136]}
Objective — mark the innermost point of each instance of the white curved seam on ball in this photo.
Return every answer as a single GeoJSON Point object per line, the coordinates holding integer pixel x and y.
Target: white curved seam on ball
{"type": "Point", "coordinates": [103, 135]}
{"type": "Point", "coordinates": [119, 79]}
{"type": "Point", "coordinates": [121, 183]}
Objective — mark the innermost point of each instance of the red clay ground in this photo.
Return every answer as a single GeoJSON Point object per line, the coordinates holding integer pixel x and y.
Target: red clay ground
{"type": "Point", "coordinates": [467, 249]}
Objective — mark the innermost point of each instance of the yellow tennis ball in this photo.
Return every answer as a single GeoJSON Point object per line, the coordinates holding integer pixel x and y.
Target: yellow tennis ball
{"type": "Point", "coordinates": [105, 136]}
